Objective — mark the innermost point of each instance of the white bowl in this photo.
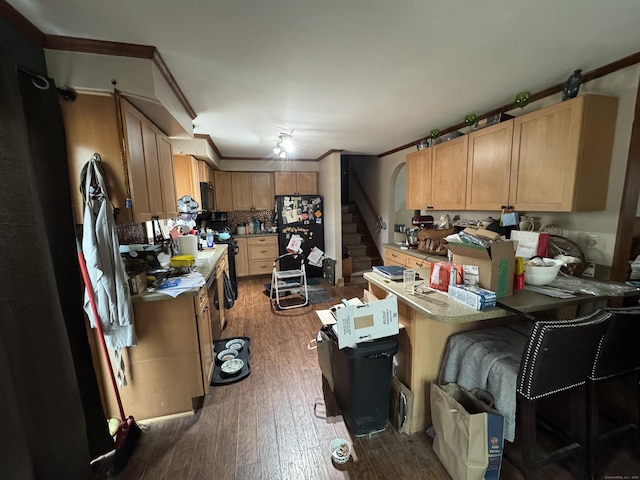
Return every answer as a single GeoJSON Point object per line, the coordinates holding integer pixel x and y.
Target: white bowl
{"type": "Point", "coordinates": [235, 344]}
{"type": "Point", "coordinates": [227, 354]}
{"type": "Point", "coordinates": [340, 450]}
{"type": "Point", "coordinates": [232, 367]}
{"type": "Point", "coordinates": [542, 275]}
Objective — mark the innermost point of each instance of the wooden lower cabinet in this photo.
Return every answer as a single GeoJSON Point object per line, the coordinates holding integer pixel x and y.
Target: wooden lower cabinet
{"type": "Point", "coordinates": [172, 364]}
{"type": "Point", "coordinates": [242, 258]}
{"type": "Point", "coordinates": [262, 251]}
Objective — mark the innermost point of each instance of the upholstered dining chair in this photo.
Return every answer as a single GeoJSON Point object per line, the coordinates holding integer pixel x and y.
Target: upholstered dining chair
{"type": "Point", "coordinates": [557, 357]}
{"type": "Point", "coordinates": [617, 357]}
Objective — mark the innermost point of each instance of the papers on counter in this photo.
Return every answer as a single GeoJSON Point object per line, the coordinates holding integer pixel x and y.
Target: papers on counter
{"type": "Point", "coordinates": [549, 291]}
{"type": "Point", "coordinates": [187, 282]}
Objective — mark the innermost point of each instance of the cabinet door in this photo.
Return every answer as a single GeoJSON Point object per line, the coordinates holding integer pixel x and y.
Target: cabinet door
{"type": "Point", "coordinates": [489, 167]}
{"type": "Point", "coordinates": [562, 156]}
{"type": "Point", "coordinates": [418, 174]}
{"type": "Point", "coordinates": [262, 191]}
{"type": "Point", "coordinates": [183, 175]}
{"type": "Point", "coordinates": [133, 123]}
{"type": "Point", "coordinates": [242, 258]}
{"type": "Point", "coordinates": [241, 190]}
{"type": "Point", "coordinates": [307, 183]}
{"type": "Point", "coordinates": [222, 190]}
{"type": "Point", "coordinates": [284, 183]}
{"type": "Point", "coordinates": [205, 339]}
{"type": "Point", "coordinates": [545, 157]}
{"type": "Point", "coordinates": [449, 174]}
{"type": "Point", "coordinates": [152, 167]}
{"type": "Point", "coordinates": [167, 180]}
{"type": "Point", "coordinates": [195, 179]}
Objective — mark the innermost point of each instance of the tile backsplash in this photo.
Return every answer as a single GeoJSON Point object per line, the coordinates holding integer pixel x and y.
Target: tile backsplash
{"type": "Point", "coordinates": [243, 216]}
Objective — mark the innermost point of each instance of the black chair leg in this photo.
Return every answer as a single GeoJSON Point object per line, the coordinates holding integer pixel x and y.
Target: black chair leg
{"type": "Point", "coordinates": [529, 437]}
{"type": "Point", "coordinates": [592, 430]}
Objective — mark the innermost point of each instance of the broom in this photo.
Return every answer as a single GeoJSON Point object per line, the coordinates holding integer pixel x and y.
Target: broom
{"type": "Point", "coordinates": [128, 431]}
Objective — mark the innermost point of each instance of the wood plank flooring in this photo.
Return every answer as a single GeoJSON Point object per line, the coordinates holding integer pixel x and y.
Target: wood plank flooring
{"type": "Point", "coordinates": [274, 424]}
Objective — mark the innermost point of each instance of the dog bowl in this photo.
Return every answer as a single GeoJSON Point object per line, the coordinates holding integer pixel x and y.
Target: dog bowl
{"type": "Point", "coordinates": [235, 344]}
{"type": "Point", "coordinates": [541, 271]}
{"type": "Point", "coordinates": [232, 367]}
{"type": "Point", "coordinates": [340, 450]}
{"type": "Point", "coordinates": [226, 355]}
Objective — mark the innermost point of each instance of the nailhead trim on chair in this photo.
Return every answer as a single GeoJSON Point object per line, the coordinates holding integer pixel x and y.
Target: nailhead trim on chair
{"type": "Point", "coordinates": [593, 375]}
{"type": "Point", "coordinates": [540, 328]}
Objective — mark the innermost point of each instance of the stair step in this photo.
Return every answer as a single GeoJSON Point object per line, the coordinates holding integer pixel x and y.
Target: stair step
{"type": "Point", "coordinates": [356, 250]}
{"type": "Point", "coordinates": [348, 208]}
{"type": "Point", "coordinates": [360, 264]}
{"type": "Point", "coordinates": [351, 239]}
{"type": "Point", "coordinates": [349, 228]}
{"type": "Point", "coordinates": [351, 218]}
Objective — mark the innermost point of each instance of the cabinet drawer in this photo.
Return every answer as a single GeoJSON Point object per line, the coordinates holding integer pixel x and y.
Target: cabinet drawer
{"type": "Point", "coordinates": [259, 240]}
{"type": "Point", "coordinates": [260, 267]}
{"type": "Point", "coordinates": [394, 258]}
{"type": "Point", "coordinates": [263, 252]}
{"type": "Point", "coordinates": [415, 262]}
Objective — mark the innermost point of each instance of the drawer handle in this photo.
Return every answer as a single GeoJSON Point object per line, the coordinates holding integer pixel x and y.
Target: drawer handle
{"type": "Point", "coordinates": [263, 251]}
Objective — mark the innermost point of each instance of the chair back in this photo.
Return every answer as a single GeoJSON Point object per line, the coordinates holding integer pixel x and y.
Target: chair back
{"type": "Point", "coordinates": [560, 354]}
{"type": "Point", "coordinates": [619, 351]}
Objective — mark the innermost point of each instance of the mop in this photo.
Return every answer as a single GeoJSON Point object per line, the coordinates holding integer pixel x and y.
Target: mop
{"type": "Point", "coordinates": [128, 431]}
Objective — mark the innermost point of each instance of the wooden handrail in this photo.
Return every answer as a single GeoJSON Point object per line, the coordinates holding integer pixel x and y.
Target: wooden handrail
{"type": "Point", "coordinates": [380, 223]}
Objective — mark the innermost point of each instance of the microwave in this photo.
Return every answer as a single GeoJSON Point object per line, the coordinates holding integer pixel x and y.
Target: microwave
{"type": "Point", "coordinates": [206, 196]}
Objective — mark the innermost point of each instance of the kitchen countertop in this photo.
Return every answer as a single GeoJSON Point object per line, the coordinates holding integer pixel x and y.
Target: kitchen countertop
{"type": "Point", "coordinates": [438, 307]}
{"type": "Point", "coordinates": [207, 261]}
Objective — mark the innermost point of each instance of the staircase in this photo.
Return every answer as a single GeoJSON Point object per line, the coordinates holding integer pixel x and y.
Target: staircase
{"type": "Point", "coordinates": [357, 244]}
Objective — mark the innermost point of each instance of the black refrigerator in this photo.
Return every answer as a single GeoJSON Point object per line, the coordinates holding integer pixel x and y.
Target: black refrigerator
{"type": "Point", "coordinates": [302, 216]}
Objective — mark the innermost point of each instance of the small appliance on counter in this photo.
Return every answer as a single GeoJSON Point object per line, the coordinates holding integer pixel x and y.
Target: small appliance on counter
{"type": "Point", "coordinates": [421, 221]}
{"type": "Point", "coordinates": [412, 238]}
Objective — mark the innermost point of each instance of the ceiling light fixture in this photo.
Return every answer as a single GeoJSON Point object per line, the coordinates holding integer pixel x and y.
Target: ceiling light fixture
{"type": "Point", "coordinates": [284, 145]}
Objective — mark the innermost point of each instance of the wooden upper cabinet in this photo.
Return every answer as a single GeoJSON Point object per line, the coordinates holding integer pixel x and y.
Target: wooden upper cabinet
{"type": "Point", "coordinates": [241, 190]}
{"type": "Point", "coordinates": [252, 190]}
{"type": "Point", "coordinates": [262, 191]}
{"type": "Point", "coordinates": [436, 176]}
{"type": "Point", "coordinates": [489, 167]}
{"type": "Point", "coordinates": [222, 190]}
{"type": "Point", "coordinates": [449, 174]}
{"type": "Point", "coordinates": [561, 156]}
{"type": "Point", "coordinates": [418, 183]}
{"type": "Point", "coordinates": [302, 183]}
{"type": "Point", "coordinates": [167, 179]}
{"type": "Point", "coordinates": [187, 173]}
{"type": "Point", "coordinates": [149, 167]}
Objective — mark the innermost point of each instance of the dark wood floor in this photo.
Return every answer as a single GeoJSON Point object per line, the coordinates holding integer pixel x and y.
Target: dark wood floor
{"type": "Point", "coordinates": [272, 425]}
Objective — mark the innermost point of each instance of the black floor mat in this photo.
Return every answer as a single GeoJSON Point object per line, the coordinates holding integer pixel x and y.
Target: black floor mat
{"type": "Point", "coordinates": [220, 378]}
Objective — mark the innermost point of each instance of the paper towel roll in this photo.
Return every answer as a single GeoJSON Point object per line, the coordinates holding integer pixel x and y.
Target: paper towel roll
{"type": "Point", "coordinates": [188, 245]}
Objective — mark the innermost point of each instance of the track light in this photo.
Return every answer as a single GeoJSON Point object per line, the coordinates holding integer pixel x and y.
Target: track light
{"type": "Point", "coordinates": [284, 146]}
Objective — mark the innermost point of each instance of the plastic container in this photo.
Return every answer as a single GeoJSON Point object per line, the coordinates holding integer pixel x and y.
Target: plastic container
{"type": "Point", "coordinates": [362, 383]}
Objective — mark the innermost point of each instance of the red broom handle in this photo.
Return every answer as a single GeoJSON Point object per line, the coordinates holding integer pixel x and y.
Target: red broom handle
{"type": "Point", "coordinates": [103, 344]}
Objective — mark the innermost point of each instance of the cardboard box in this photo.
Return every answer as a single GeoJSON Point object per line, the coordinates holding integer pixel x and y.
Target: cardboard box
{"type": "Point", "coordinates": [137, 283]}
{"type": "Point", "coordinates": [371, 320]}
{"type": "Point", "coordinates": [496, 265]}
{"type": "Point", "coordinates": [472, 296]}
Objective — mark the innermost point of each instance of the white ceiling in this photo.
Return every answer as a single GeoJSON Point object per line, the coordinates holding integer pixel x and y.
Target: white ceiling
{"type": "Point", "coordinates": [363, 76]}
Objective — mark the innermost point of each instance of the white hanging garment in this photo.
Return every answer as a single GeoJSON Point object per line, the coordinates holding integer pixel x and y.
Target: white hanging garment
{"type": "Point", "coordinates": [104, 264]}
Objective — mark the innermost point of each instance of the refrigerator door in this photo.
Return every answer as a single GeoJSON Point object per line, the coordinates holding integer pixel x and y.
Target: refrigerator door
{"type": "Point", "coordinates": [301, 217]}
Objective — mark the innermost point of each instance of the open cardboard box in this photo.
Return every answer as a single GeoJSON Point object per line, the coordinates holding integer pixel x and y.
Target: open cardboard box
{"type": "Point", "coordinates": [496, 265]}
{"type": "Point", "coordinates": [372, 319]}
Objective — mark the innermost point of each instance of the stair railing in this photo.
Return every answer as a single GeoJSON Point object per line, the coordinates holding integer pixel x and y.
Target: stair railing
{"type": "Point", "coordinates": [380, 223]}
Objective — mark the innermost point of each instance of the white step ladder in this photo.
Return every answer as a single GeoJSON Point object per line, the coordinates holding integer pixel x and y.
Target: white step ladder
{"type": "Point", "coordinates": [294, 281]}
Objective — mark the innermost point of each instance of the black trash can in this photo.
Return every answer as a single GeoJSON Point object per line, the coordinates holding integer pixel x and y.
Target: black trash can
{"type": "Point", "coordinates": [362, 383]}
